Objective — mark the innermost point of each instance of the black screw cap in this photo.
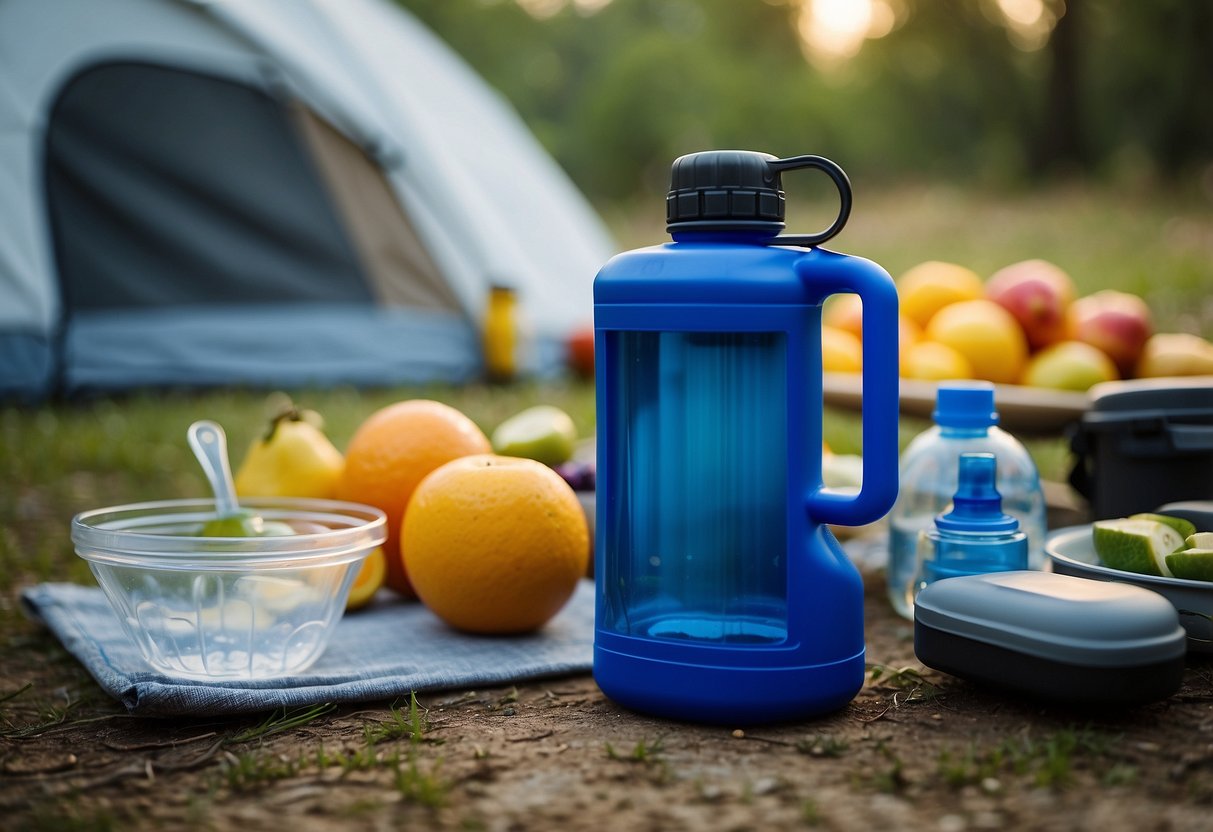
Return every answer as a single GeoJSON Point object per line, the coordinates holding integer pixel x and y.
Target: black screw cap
{"type": "Point", "coordinates": [725, 190]}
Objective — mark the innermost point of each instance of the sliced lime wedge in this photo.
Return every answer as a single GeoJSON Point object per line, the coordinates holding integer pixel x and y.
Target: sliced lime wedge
{"type": "Point", "coordinates": [1136, 545]}
{"type": "Point", "coordinates": [1184, 527]}
{"type": "Point", "coordinates": [1193, 564]}
{"type": "Point", "coordinates": [1200, 540]}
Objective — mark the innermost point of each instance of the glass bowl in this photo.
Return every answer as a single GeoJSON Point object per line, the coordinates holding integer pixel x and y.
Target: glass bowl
{"type": "Point", "coordinates": [215, 608]}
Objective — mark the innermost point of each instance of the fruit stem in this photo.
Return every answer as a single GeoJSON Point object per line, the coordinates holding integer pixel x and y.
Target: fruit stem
{"type": "Point", "coordinates": [288, 411]}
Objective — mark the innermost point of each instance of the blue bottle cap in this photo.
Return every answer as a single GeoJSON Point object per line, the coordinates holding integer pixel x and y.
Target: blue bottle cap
{"type": "Point", "coordinates": [977, 505]}
{"type": "Point", "coordinates": [965, 404]}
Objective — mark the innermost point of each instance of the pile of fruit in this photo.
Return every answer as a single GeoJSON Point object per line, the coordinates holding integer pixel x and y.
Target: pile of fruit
{"type": "Point", "coordinates": [488, 535]}
{"type": "Point", "coordinates": [1155, 544]}
{"type": "Point", "coordinates": [1022, 326]}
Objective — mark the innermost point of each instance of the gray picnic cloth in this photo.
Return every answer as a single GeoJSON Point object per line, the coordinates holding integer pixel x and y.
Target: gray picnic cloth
{"type": "Point", "coordinates": [385, 651]}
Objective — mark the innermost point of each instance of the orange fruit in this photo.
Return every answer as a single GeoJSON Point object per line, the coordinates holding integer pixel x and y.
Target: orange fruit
{"type": "Point", "coordinates": [844, 312]}
{"type": "Point", "coordinates": [930, 286]}
{"type": "Point", "coordinates": [841, 352]}
{"type": "Point", "coordinates": [495, 544]}
{"type": "Point", "coordinates": [908, 334]}
{"type": "Point", "coordinates": [371, 576]}
{"type": "Point", "coordinates": [934, 362]}
{"type": "Point", "coordinates": [988, 337]}
{"type": "Point", "coordinates": [392, 451]}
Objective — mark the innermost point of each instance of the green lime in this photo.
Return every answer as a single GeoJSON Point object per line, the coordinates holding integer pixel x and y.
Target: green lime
{"type": "Point", "coordinates": [1184, 527]}
{"type": "Point", "coordinates": [275, 528]}
{"type": "Point", "coordinates": [1200, 540]}
{"type": "Point", "coordinates": [1136, 545]}
{"type": "Point", "coordinates": [245, 524]}
{"type": "Point", "coordinates": [1193, 564]}
{"type": "Point", "coordinates": [542, 433]}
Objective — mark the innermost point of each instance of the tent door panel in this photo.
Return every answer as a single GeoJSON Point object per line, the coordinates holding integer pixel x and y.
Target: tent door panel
{"type": "Point", "coordinates": [399, 267]}
{"type": "Point", "coordinates": [169, 187]}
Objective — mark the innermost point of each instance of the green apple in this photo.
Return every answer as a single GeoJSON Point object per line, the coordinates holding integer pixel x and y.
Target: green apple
{"type": "Point", "coordinates": [542, 433]}
{"type": "Point", "coordinates": [1070, 365]}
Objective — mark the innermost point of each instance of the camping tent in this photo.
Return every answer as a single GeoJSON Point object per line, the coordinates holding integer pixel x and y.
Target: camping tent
{"type": "Point", "coordinates": [278, 192]}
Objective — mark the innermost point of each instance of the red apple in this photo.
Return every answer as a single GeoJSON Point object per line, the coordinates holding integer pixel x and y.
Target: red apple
{"type": "Point", "coordinates": [580, 351]}
{"type": "Point", "coordinates": [1037, 293]}
{"type": "Point", "coordinates": [1116, 322]}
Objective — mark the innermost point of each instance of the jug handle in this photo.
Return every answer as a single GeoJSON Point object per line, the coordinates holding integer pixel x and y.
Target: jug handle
{"type": "Point", "coordinates": [825, 273]}
{"type": "Point", "coordinates": [838, 176]}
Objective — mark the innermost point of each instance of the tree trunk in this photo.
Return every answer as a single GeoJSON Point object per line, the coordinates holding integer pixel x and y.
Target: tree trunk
{"type": "Point", "coordinates": [1060, 144]}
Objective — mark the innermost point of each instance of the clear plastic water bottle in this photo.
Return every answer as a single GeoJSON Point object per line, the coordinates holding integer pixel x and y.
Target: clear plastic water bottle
{"type": "Point", "coordinates": [975, 536]}
{"type": "Point", "coordinates": [965, 422]}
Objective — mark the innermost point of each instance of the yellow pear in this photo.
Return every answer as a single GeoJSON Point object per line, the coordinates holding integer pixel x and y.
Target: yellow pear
{"type": "Point", "coordinates": [1175, 354]}
{"type": "Point", "coordinates": [292, 459]}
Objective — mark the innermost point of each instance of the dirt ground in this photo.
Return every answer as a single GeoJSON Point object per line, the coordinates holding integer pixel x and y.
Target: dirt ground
{"type": "Point", "coordinates": [915, 750]}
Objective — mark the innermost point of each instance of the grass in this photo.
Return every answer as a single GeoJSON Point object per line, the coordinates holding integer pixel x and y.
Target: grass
{"type": "Point", "coordinates": [414, 725]}
{"type": "Point", "coordinates": [823, 745]}
{"type": "Point", "coordinates": [643, 752]}
{"type": "Point", "coordinates": [418, 782]}
{"type": "Point", "coordinates": [282, 720]}
{"type": "Point", "coordinates": [1048, 762]}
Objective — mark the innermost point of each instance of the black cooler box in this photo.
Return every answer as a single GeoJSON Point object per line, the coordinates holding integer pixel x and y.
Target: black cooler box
{"type": "Point", "coordinates": [1144, 443]}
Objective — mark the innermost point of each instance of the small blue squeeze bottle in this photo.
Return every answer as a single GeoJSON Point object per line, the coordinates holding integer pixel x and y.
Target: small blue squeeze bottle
{"type": "Point", "coordinates": [975, 536]}
{"type": "Point", "coordinates": [966, 421]}
{"type": "Point", "coordinates": [721, 594]}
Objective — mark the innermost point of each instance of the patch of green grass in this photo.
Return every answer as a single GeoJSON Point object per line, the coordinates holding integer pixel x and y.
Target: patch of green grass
{"type": "Point", "coordinates": [69, 816]}
{"type": "Point", "coordinates": [255, 770]}
{"type": "Point", "coordinates": [889, 778]}
{"type": "Point", "coordinates": [642, 752]}
{"type": "Point", "coordinates": [28, 713]}
{"type": "Point", "coordinates": [1048, 761]}
{"type": "Point", "coordinates": [281, 720]}
{"type": "Point", "coordinates": [810, 812]}
{"type": "Point", "coordinates": [362, 807]}
{"type": "Point", "coordinates": [1120, 774]}
{"type": "Point", "coordinates": [422, 786]}
{"type": "Point", "coordinates": [414, 725]}
{"type": "Point", "coordinates": [417, 783]}
{"type": "Point", "coordinates": [366, 758]}
{"type": "Point", "coordinates": [13, 694]}
{"type": "Point", "coordinates": [970, 767]}
{"type": "Point", "coordinates": [823, 745]}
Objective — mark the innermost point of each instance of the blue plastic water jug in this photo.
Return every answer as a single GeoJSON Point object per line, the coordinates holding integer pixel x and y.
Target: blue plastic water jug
{"type": "Point", "coordinates": [721, 595]}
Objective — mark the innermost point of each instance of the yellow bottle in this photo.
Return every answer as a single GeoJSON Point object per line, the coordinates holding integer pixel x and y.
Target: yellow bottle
{"type": "Point", "coordinates": [501, 335]}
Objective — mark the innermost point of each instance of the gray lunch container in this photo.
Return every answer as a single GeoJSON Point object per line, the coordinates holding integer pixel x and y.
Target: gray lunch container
{"type": "Point", "coordinates": [1053, 637]}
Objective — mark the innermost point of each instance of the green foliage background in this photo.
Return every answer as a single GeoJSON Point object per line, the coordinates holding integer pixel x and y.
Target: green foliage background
{"type": "Point", "coordinates": [618, 93]}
